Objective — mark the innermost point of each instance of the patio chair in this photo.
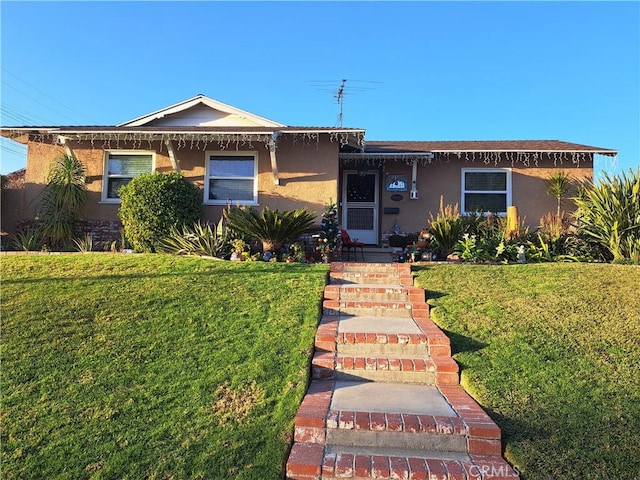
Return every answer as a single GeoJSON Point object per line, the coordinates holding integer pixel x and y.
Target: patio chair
{"type": "Point", "coordinates": [348, 244]}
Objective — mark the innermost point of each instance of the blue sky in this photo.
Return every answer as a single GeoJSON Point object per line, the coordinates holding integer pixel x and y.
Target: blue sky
{"type": "Point", "coordinates": [415, 71]}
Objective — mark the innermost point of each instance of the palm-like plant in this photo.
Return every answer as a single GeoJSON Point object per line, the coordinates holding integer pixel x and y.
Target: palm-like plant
{"type": "Point", "coordinates": [63, 199]}
{"type": "Point", "coordinates": [609, 214]}
{"type": "Point", "coordinates": [558, 185]}
{"type": "Point", "coordinates": [272, 227]}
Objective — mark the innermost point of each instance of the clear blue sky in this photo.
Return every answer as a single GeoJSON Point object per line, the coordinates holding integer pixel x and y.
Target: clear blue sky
{"type": "Point", "coordinates": [438, 71]}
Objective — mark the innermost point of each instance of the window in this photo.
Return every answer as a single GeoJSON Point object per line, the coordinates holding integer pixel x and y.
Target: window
{"type": "Point", "coordinates": [120, 168]}
{"type": "Point", "coordinates": [231, 177]}
{"type": "Point", "coordinates": [486, 190]}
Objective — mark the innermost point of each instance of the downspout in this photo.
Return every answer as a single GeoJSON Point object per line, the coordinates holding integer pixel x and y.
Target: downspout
{"type": "Point", "coordinates": [413, 195]}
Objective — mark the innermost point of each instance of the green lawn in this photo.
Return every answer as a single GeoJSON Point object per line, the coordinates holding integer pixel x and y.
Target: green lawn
{"type": "Point", "coordinates": [552, 352]}
{"type": "Point", "coordinates": [152, 366]}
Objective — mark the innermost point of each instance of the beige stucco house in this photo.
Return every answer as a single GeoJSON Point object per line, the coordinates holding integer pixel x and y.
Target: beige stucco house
{"type": "Point", "coordinates": [240, 158]}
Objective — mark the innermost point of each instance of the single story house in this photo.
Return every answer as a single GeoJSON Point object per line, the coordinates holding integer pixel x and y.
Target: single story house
{"type": "Point", "coordinates": [241, 158]}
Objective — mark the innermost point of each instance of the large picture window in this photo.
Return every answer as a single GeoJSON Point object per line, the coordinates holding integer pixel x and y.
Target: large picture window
{"type": "Point", "coordinates": [231, 177]}
{"type": "Point", "coordinates": [486, 190]}
{"type": "Point", "coordinates": [120, 168]}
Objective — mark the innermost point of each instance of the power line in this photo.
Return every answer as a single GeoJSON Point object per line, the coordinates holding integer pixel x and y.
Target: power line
{"type": "Point", "coordinates": [46, 95]}
{"type": "Point", "coordinates": [25, 118]}
{"type": "Point", "coordinates": [36, 100]}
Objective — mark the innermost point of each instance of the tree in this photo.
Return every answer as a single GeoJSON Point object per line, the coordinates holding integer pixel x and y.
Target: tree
{"type": "Point", "coordinates": [558, 185]}
{"type": "Point", "coordinates": [63, 199]}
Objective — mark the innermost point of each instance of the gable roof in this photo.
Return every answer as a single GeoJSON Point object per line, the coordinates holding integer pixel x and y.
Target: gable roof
{"type": "Point", "coordinates": [400, 147]}
{"type": "Point", "coordinates": [211, 112]}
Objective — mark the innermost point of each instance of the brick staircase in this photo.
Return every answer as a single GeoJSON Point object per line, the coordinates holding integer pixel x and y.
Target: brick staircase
{"type": "Point", "coordinates": [385, 400]}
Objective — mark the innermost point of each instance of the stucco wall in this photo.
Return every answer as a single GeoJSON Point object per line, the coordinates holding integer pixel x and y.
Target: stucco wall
{"type": "Point", "coordinates": [528, 190]}
{"type": "Point", "coordinates": [308, 172]}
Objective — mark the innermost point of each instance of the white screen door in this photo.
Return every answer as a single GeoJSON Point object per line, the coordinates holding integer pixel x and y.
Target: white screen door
{"type": "Point", "coordinates": [360, 194]}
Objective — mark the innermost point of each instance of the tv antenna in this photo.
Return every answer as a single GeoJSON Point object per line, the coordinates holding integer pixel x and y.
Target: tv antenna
{"type": "Point", "coordinates": [340, 98]}
{"type": "Point", "coordinates": [342, 90]}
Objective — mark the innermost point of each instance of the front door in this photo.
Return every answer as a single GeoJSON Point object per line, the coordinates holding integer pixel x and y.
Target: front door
{"type": "Point", "coordinates": [360, 193]}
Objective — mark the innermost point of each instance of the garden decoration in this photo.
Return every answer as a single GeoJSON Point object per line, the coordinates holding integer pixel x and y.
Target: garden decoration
{"type": "Point", "coordinates": [329, 240]}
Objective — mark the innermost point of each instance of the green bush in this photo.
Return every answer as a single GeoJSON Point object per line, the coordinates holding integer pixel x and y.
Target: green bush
{"type": "Point", "coordinates": [609, 215]}
{"type": "Point", "coordinates": [272, 227]}
{"type": "Point", "coordinates": [153, 203]}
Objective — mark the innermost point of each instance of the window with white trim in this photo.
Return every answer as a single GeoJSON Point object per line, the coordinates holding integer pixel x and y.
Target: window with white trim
{"type": "Point", "coordinates": [486, 190]}
{"type": "Point", "coordinates": [120, 167]}
{"type": "Point", "coordinates": [231, 177]}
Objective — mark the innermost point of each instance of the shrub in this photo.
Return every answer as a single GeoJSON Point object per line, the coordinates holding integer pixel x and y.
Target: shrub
{"type": "Point", "coordinates": [197, 240]}
{"type": "Point", "coordinates": [29, 240]}
{"type": "Point", "coordinates": [154, 203]}
{"type": "Point", "coordinates": [446, 228]}
{"type": "Point", "coordinates": [609, 215]}
{"type": "Point", "coordinates": [272, 227]}
{"type": "Point", "coordinates": [63, 200]}
{"type": "Point", "coordinates": [84, 244]}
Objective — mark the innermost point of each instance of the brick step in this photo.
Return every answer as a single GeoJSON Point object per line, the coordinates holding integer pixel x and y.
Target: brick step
{"type": "Point", "coordinates": [401, 430]}
{"type": "Point", "coordinates": [315, 461]}
{"type": "Point", "coordinates": [368, 292]}
{"type": "Point", "coordinates": [375, 335]}
{"type": "Point", "coordinates": [367, 308]}
{"type": "Point", "coordinates": [381, 344]}
{"type": "Point", "coordinates": [419, 370]}
{"type": "Point", "coordinates": [407, 369]}
{"type": "Point", "coordinates": [371, 278]}
{"type": "Point", "coordinates": [368, 267]}
{"type": "Point", "coordinates": [337, 463]}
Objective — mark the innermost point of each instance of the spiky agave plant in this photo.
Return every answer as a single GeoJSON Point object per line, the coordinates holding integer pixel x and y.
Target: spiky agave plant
{"type": "Point", "coordinates": [609, 214]}
{"type": "Point", "coordinates": [272, 227]}
{"type": "Point", "coordinates": [201, 239]}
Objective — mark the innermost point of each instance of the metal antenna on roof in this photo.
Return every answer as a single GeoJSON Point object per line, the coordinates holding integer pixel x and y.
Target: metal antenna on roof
{"type": "Point", "coordinates": [340, 98]}
{"type": "Point", "coordinates": [342, 91]}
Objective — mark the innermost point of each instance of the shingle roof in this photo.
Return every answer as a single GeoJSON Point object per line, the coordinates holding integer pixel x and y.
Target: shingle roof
{"type": "Point", "coordinates": [381, 147]}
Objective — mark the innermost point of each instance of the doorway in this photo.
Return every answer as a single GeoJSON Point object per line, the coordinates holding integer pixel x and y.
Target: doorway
{"type": "Point", "coordinates": [360, 205]}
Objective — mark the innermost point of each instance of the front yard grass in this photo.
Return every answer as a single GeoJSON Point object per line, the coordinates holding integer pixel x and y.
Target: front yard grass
{"type": "Point", "coordinates": [152, 366]}
{"type": "Point", "coordinates": [552, 352]}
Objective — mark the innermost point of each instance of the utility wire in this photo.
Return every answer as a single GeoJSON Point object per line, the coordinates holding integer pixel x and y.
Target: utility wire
{"type": "Point", "coordinates": [46, 95]}
{"type": "Point", "coordinates": [37, 101]}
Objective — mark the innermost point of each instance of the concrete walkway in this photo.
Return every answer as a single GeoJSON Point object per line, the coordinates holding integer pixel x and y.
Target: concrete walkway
{"type": "Point", "coordinates": [385, 400]}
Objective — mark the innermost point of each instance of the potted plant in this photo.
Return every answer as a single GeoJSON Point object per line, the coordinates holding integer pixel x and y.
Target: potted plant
{"type": "Point", "coordinates": [239, 246]}
{"type": "Point", "coordinates": [424, 239]}
{"type": "Point", "coordinates": [329, 239]}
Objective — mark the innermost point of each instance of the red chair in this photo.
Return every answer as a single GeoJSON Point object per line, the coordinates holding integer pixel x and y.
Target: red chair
{"type": "Point", "coordinates": [348, 244]}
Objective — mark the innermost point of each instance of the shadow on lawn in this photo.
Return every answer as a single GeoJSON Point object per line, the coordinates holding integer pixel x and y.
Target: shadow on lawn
{"type": "Point", "coordinates": [232, 269]}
